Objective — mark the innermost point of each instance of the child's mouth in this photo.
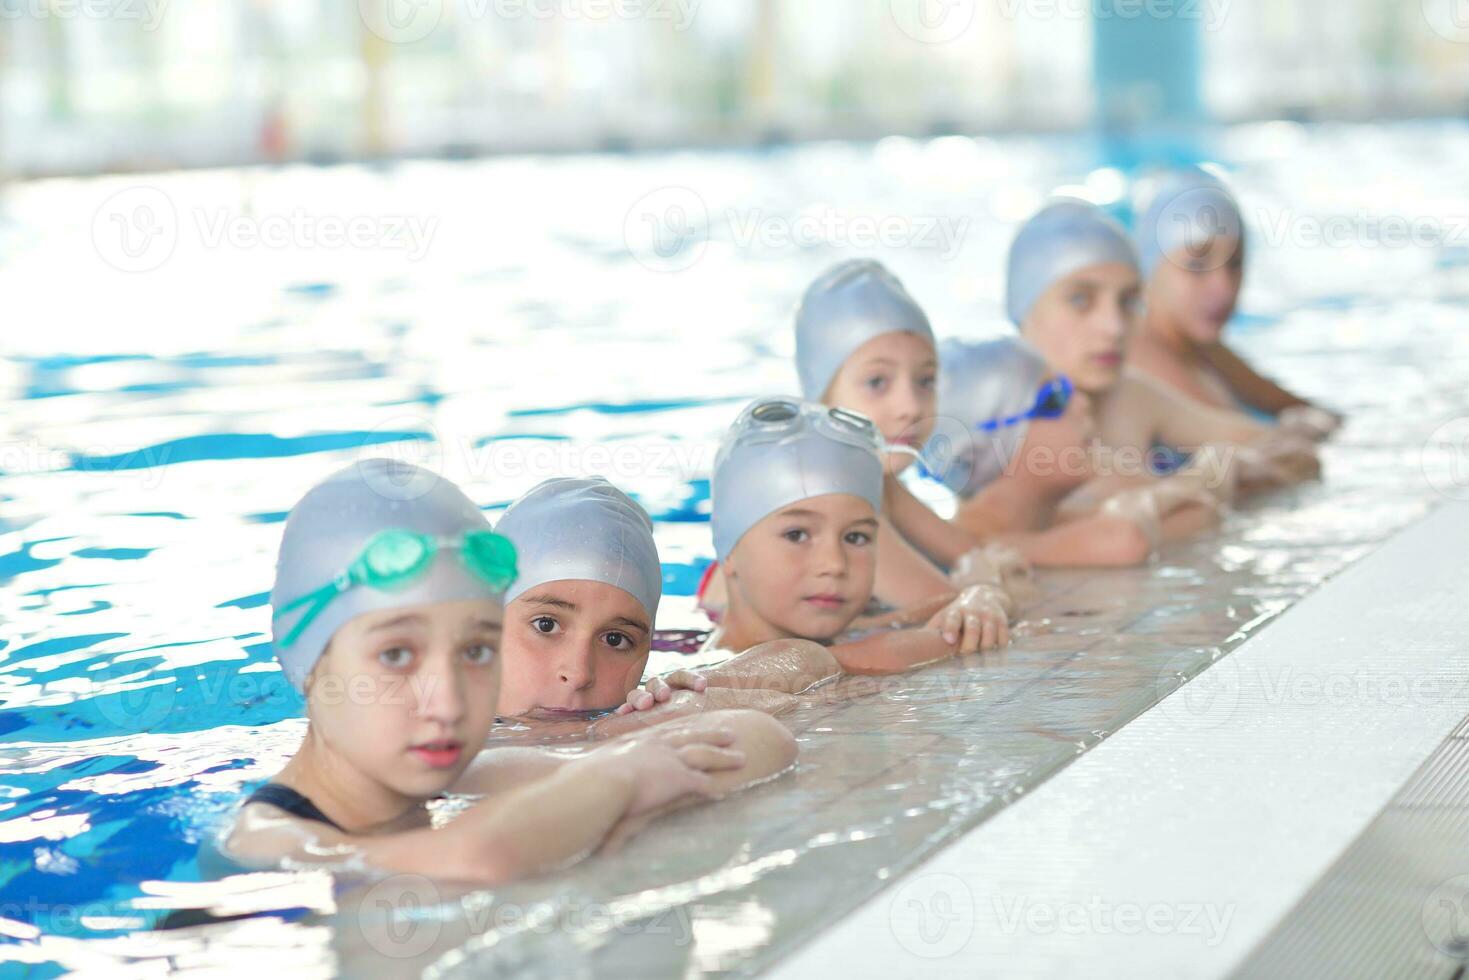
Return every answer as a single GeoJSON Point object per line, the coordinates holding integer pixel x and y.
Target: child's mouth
{"type": "Point", "coordinates": [826, 601]}
{"type": "Point", "coordinates": [438, 755]}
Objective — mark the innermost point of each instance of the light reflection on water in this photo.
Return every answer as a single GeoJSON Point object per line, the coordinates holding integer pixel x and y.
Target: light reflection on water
{"type": "Point", "coordinates": [144, 485]}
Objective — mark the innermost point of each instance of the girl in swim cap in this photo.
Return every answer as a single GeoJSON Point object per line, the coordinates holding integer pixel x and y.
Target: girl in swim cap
{"type": "Point", "coordinates": [1075, 291]}
{"type": "Point", "coordinates": [387, 613]}
{"type": "Point", "coordinates": [1191, 240]}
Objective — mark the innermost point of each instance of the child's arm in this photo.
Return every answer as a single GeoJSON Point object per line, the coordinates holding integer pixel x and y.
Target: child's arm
{"type": "Point", "coordinates": [788, 666]}
{"type": "Point", "coordinates": [916, 522]}
{"type": "Point", "coordinates": [769, 750]}
{"type": "Point", "coordinates": [1093, 541]}
{"type": "Point", "coordinates": [904, 576]}
{"type": "Point", "coordinates": [893, 652]}
{"type": "Point", "coordinates": [1183, 423]}
{"type": "Point", "coordinates": [1248, 385]}
{"type": "Point", "coordinates": [534, 828]}
{"type": "Point", "coordinates": [971, 559]}
{"type": "Point", "coordinates": [637, 713]}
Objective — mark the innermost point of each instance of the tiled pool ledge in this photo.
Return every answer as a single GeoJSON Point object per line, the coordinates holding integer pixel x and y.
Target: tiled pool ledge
{"type": "Point", "coordinates": [1176, 846]}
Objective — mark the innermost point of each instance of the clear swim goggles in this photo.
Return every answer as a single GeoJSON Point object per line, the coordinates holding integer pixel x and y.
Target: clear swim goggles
{"type": "Point", "coordinates": [777, 418]}
{"type": "Point", "coordinates": [395, 558]}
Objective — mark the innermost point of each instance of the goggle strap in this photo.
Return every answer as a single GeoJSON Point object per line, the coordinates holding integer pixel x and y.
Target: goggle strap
{"type": "Point", "coordinates": [318, 601]}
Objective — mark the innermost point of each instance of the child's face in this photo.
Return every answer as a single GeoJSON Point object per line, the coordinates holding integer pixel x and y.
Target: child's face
{"type": "Point", "coordinates": [572, 647]}
{"type": "Point", "coordinates": [892, 379]}
{"type": "Point", "coordinates": [1200, 290]}
{"type": "Point", "coordinates": [807, 570]}
{"type": "Point", "coordinates": [1081, 324]}
{"type": "Point", "coordinates": [408, 695]}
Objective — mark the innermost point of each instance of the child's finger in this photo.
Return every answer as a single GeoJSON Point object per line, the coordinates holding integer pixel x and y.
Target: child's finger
{"type": "Point", "coordinates": [687, 680]}
{"type": "Point", "coordinates": [679, 737]}
{"type": "Point", "coordinates": [707, 758]}
{"type": "Point", "coordinates": [991, 634]}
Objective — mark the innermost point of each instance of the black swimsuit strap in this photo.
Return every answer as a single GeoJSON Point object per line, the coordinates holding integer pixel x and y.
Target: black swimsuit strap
{"type": "Point", "coordinates": [287, 799]}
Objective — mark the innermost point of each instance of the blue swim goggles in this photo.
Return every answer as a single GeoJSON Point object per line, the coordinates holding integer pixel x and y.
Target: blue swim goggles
{"type": "Point", "coordinates": [1051, 399]}
{"type": "Point", "coordinates": [395, 558]}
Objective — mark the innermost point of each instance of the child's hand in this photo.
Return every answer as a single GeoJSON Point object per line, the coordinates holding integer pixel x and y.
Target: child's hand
{"type": "Point", "coordinates": [1309, 422]}
{"type": "Point", "coordinates": [658, 690]}
{"type": "Point", "coordinates": [976, 620]}
{"type": "Point", "coordinates": [1279, 459]}
{"type": "Point", "coordinates": [666, 764]}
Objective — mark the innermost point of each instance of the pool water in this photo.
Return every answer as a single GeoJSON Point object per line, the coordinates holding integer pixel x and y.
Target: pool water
{"type": "Point", "coordinates": [603, 314]}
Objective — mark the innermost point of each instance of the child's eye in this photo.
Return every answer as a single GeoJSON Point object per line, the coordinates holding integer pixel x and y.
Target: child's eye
{"type": "Point", "coordinates": [796, 535]}
{"type": "Point", "coordinates": [926, 384]}
{"type": "Point", "coordinates": [544, 624]}
{"type": "Point", "coordinates": [480, 654]}
{"type": "Point", "coordinates": [877, 383]}
{"type": "Point", "coordinates": [859, 538]}
{"type": "Point", "coordinates": [1080, 301]}
{"type": "Point", "coordinates": [395, 657]}
{"type": "Point", "coordinates": [618, 641]}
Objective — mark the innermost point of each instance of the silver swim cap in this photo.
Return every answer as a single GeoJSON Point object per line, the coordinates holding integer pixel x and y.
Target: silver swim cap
{"type": "Point", "coordinates": [848, 305]}
{"type": "Point", "coordinates": [583, 529]}
{"type": "Point", "coordinates": [1183, 210]}
{"type": "Point", "coordinates": [325, 535]}
{"type": "Point", "coordinates": [781, 451]}
{"type": "Point", "coordinates": [1063, 237]}
{"type": "Point", "coordinates": [979, 382]}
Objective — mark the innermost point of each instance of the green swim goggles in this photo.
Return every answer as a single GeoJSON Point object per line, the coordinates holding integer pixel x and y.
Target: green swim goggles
{"type": "Point", "coordinates": [395, 558]}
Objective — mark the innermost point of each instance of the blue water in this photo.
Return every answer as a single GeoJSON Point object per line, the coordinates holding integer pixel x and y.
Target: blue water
{"type": "Point", "coordinates": [158, 424]}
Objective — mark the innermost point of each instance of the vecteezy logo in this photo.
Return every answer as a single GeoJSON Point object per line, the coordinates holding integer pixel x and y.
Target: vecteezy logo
{"type": "Point", "coordinates": [1192, 223]}
{"type": "Point", "coordinates": [395, 454]}
{"type": "Point", "coordinates": [1446, 917]}
{"type": "Point", "coordinates": [401, 21]}
{"type": "Point", "coordinates": [946, 459]}
{"type": "Point", "coordinates": [932, 915]}
{"type": "Point", "coordinates": [1449, 19]}
{"type": "Point", "coordinates": [667, 230]}
{"type": "Point", "coordinates": [1207, 700]}
{"type": "Point", "coordinates": [136, 230]}
{"type": "Point", "coordinates": [933, 21]}
{"type": "Point", "coordinates": [397, 916]}
{"type": "Point", "coordinates": [1445, 459]}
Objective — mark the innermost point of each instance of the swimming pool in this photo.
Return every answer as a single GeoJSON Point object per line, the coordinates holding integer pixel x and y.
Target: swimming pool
{"type": "Point", "coordinates": [571, 315]}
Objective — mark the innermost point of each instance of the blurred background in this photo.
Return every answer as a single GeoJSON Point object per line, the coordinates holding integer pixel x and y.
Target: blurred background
{"type": "Point", "coordinates": [91, 86]}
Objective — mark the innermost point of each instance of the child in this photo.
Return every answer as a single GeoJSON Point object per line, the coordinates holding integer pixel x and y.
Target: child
{"type": "Point", "coordinates": [1020, 449]}
{"type": "Point", "coordinates": [1190, 236]}
{"type": "Point", "coordinates": [579, 619]}
{"type": "Point", "coordinates": [1074, 290]}
{"type": "Point", "coordinates": [797, 490]}
{"type": "Point", "coordinates": [863, 343]}
{"type": "Point", "coordinates": [387, 612]}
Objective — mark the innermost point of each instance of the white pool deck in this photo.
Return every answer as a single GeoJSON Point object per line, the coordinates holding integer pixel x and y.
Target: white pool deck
{"type": "Point", "coordinates": [1177, 845]}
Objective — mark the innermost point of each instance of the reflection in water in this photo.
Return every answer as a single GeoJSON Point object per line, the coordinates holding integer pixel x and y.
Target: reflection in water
{"type": "Point", "coordinates": [137, 690]}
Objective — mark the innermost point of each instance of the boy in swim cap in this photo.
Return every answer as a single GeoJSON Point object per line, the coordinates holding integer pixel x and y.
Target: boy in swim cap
{"type": "Point", "coordinates": [797, 489]}
{"type": "Point", "coordinates": [1074, 290]}
{"type": "Point", "coordinates": [1191, 241]}
{"type": "Point", "coordinates": [387, 613]}
{"type": "Point", "coordinates": [579, 618]}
